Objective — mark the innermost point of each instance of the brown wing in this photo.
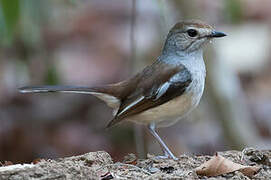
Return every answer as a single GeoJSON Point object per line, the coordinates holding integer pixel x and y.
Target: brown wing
{"type": "Point", "coordinates": [153, 87]}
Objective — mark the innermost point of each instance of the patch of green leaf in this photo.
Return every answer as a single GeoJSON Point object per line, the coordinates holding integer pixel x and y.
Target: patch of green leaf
{"type": "Point", "coordinates": [10, 10]}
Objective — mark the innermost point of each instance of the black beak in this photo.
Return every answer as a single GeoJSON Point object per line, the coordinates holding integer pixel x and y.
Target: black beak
{"type": "Point", "coordinates": [217, 34]}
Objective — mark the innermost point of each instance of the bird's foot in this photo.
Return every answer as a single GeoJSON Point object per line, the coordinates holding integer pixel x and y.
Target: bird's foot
{"type": "Point", "coordinates": [166, 156]}
{"type": "Point", "coordinates": [174, 158]}
{"type": "Point", "coordinates": [169, 154]}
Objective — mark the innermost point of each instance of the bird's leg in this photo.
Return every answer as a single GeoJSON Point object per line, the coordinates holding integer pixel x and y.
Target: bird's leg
{"type": "Point", "coordinates": [167, 152]}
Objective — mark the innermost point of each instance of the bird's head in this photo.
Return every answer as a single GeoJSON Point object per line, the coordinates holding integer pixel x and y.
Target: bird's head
{"type": "Point", "coordinates": [190, 36]}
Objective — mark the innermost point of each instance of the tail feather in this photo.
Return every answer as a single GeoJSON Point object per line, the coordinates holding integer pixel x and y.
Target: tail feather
{"type": "Point", "coordinates": [101, 93]}
{"type": "Point", "coordinates": [67, 89]}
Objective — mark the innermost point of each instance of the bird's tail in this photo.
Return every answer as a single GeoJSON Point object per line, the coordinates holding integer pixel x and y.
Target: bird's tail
{"type": "Point", "coordinates": [104, 93]}
{"type": "Point", "coordinates": [66, 89]}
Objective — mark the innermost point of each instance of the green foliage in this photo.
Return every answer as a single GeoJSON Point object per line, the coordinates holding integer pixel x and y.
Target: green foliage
{"type": "Point", "coordinates": [51, 77]}
{"type": "Point", "coordinates": [10, 11]}
{"type": "Point", "coordinates": [234, 10]}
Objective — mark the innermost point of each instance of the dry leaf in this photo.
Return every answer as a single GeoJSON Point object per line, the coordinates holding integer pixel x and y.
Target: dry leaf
{"type": "Point", "coordinates": [219, 165]}
{"type": "Point", "coordinates": [8, 163]}
{"type": "Point", "coordinates": [36, 161]}
{"type": "Point", "coordinates": [130, 159]}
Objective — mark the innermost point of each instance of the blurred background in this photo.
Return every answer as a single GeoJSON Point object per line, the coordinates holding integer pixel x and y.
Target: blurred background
{"type": "Point", "coordinates": [95, 42]}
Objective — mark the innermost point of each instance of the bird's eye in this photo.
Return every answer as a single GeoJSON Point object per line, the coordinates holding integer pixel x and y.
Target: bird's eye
{"type": "Point", "coordinates": [192, 32]}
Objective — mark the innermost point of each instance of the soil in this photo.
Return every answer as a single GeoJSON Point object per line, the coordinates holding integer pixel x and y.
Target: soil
{"type": "Point", "coordinates": [99, 165]}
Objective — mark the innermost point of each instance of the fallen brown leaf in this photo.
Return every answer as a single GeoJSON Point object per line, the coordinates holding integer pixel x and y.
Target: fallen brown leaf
{"type": "Point", "coordinates": [219, 165]}
{"type": "Point", "coordinates": [130, 159]}
{"type": "Point", "coordinates": [8, 163]}
{"type": "Point", "coordinates": [36, 161]}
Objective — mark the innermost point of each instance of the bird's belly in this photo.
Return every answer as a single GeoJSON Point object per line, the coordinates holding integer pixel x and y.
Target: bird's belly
{"type": "Point", "coordinates": [168, 113]}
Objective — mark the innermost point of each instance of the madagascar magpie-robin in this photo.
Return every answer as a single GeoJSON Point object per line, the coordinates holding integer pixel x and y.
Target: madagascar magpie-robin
{"type": "Point", "coordinates": [163, 92]}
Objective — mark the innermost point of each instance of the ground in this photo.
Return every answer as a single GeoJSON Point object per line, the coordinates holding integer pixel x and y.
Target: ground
{"type": "Point", "coordinates": [99, 165]}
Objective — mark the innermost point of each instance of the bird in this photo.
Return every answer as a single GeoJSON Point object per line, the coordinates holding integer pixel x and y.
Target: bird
{"type": "Point", "coordinates": [163, 92]}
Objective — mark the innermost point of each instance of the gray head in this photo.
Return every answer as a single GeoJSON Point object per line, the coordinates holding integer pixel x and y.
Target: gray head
{"type": "Point", "coordinates": [190, 36]}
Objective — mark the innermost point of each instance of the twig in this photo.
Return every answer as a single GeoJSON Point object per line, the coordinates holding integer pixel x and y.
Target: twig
{"type": "Point", "coordinates": [132, 36]}
{"type": "Point", "coordinates": [138, 131]}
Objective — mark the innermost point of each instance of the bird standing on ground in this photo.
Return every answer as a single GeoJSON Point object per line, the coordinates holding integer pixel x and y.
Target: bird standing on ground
{"type": "Point", "coordinates": [163, 92]}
